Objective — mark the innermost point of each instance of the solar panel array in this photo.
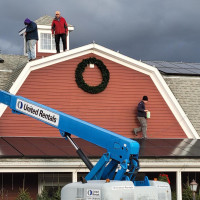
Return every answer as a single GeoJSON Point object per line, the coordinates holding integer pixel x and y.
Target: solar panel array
{"type": "Point", "coordinates": [179, 68]}
{"type": "Point", "coordinates": [58, 147]}
{"type": "Point", "coordinates": [169, 148]}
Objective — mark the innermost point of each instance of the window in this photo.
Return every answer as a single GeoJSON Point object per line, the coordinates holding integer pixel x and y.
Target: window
{"type": "Point", "coordinates": [52, 182]}
{"type": "Point", "coordinates": [47, 42]}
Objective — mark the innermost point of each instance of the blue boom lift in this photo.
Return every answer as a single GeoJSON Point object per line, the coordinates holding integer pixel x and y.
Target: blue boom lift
{"type": "Point", "coordinates": [114, 176]}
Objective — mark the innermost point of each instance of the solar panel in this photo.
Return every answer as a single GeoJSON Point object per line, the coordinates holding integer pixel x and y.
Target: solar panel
{"type": "Point", "coordinates": [184, 71]}
{"type": "Point", "coordinates": [156, 64]}
{"type": "Point", "coordinates": [51, 147]}
{"type": "Point", "coordinates": [169, 148]}
{"type": "Point", "coordinates": [6, 150]}
{"type": "Point", "coordinates": [168, 70]}
{"type": "Point", "coordinates": [168, 64]}
{"type": "Point", "coordinates": [181, 65]}
{"type": "Point", "coordinates": [176, 67]}
{"type": "Point", "coordinates": [196, 71]}
{"type": "Point", "coordinates": [194, 65]}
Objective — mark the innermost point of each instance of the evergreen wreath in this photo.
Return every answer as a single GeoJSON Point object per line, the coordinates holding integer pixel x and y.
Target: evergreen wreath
{"type": "Point", "coordinates": [79, 76]}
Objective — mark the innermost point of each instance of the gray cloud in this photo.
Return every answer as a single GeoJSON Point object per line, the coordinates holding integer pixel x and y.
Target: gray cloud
{"type": "Point", "coordinates": [142, 29]}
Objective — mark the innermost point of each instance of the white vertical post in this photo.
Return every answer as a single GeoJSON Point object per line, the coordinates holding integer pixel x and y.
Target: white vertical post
{"type": "Point", "coordinates": [178, 185]}
{"type": "Point", "coordinates": [25, 47]}
{"type": "Point", "coordinates": [68, 41]}
{"type": "Point", "coordinates": [74, 176]}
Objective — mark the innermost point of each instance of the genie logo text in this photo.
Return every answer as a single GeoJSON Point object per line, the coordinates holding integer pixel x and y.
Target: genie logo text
{"type": "Point", "coordinates": [37, 112]}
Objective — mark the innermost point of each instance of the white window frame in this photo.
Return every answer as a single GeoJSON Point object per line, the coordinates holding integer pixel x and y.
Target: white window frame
{"type": "Point", "coordinates": [45, 50]}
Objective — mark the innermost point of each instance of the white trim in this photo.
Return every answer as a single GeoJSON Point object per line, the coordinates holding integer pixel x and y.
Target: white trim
{"type": "Point", "coordinates": [70, 28]}
{"type": "Point", "coordinates": [123, 60]}
{"type": "Point", "coordinates": [72, 165]}
{"type": "Point", "coordinates": [43, 165]}
{"type": "Point", "coordinates": [25, 45]}
{"type": "Point", "coordinates": [5, 70]}
{"type": "Point", "coordinates": [67, 41]}
{"type": "Point", "coordinates": [44, 27]}
{"type": "Point", "coordinates": [182, 163]}
{"type": "Point", "coordinates": [74, 176]}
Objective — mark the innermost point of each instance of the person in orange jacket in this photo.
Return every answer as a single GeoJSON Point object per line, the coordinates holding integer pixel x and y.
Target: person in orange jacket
{"type": "Point", "coordinates": [59, 30]}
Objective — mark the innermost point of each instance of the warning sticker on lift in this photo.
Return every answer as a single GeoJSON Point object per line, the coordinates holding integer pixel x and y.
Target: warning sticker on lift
{"type": "Point", "coordinates": [93, 194]}
{"type": "Point", "coordinates": [37, 112]}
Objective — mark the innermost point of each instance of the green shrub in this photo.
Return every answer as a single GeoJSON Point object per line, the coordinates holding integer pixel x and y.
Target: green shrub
{"type": "Point", "coordinates": [50, 194]}
{"type": "Point", "coordinates": [173, 195]}
{"type": "Point", "coordinates": [23, 195]}
{"type": "Point", "coordinates": [187, 193]}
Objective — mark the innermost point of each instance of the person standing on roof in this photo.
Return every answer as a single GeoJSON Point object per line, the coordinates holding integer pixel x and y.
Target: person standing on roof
{"type": "Point", "coordinates": [59, 30]}
{"type": "Point", "coordinates": [141, 116]}
{"type": "Point", "coordinates": [31, 35]}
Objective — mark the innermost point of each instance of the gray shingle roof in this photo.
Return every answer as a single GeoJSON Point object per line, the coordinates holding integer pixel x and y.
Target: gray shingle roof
{"type": "Point", "coordinates": [186, 89]}
{"type": "Point", "coordinates": [10, 69]}
{"type": "Point", "coordinates": [44, 20]}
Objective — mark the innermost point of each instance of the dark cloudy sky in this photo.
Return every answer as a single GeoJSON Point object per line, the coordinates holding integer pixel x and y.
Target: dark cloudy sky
{"type": "Point", "coordinates": [167, 30]}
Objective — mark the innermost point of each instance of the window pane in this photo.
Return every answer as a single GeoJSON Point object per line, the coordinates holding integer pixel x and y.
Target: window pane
{"type": "Point", "coordinates": [45, 41]}
{"type": "Point", "coordinates": [53, 44]}
{"type": "Point", "coordinates": [56, 178]}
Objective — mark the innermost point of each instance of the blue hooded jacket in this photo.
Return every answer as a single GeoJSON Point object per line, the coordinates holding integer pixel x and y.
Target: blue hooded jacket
{"type": "Point", "coordinates": [31, 30]}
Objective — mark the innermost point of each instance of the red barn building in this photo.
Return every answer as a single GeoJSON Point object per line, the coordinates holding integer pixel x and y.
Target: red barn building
{"type": "Point", "coordinates": [51, 81]}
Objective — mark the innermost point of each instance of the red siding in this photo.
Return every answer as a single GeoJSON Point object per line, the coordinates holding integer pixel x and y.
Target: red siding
{"type": "Point", "coordinates": [113, 109]}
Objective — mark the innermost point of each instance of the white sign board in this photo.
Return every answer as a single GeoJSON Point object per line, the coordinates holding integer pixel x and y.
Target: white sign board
{"type": "Point", "coordinates": [37, 112]}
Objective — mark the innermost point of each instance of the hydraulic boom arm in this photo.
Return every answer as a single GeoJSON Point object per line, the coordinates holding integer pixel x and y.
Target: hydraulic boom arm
{"type": "Point", "coordinates": [122, 153]}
